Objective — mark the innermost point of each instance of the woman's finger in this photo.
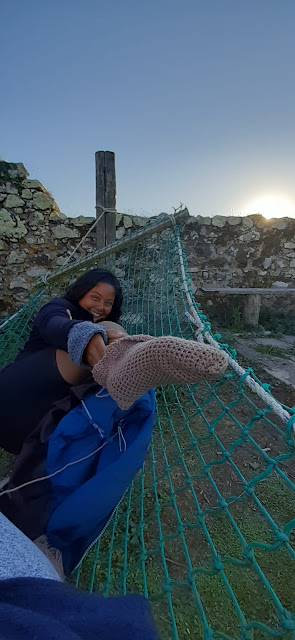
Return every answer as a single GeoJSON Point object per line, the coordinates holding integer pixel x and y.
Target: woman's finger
{"type": "Point", "coordinates": [95, 350]}
{"type": "Point", "coordinates": [114, 335]}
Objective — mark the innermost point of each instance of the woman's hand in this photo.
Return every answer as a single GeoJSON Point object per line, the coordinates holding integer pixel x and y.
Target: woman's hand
{"type": "Point", "coordinates": [95, 350]}
{"type": "Point", "coordinates": [114, 335]}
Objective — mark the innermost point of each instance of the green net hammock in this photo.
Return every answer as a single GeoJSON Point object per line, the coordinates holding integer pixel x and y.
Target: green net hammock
{"type": "Point", "coordinates": [207, 530]}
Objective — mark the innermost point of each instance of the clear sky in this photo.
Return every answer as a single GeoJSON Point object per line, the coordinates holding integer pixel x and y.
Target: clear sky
{"type": "Point", "coordinates": [196, 98]}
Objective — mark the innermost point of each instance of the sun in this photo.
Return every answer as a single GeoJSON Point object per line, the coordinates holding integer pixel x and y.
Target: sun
{"type": "Point", "coordinates": [271, 206]}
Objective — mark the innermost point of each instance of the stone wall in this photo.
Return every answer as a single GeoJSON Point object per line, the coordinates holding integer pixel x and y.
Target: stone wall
{"type": "Point", "coordinates": [35, 237]}
{"type": "Point", "coordinates": [241, 252]}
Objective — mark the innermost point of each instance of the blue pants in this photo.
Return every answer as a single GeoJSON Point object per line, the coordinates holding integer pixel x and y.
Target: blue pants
{"type": "Point", "coordinates": [19, 556]}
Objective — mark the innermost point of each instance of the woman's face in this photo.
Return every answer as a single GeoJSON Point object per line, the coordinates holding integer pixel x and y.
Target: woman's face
{"type": "Point", "coordinates": [99, 300]}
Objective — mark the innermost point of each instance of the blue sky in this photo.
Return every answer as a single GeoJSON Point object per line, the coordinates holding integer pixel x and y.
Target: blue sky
{"type": "Point", "coordinates": [196, 98]}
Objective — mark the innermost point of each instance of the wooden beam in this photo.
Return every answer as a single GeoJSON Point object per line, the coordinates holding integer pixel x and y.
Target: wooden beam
{"type": "Point", "coordinates": [110, 196]}
{"type": "Point", "coordinates": [105, 178]}
{"type": "Point", "coordinates": [100, 198]}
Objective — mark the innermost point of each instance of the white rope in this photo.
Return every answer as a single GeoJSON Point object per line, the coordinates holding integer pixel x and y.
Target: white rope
{"type": "Point", "coordinates": [104, 210]}
{"type": "Point", "coordinates": [269, 400]}
{"type": "Point", "coordinates": [87, 234]}
{"type": "Point", "coordinates": [8, 319]}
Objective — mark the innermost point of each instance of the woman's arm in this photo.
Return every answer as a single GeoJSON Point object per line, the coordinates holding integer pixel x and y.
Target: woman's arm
{"type": "Point", "coordinates": [84, 341]}
{"type": "Point", "coordinates": [53, 323]}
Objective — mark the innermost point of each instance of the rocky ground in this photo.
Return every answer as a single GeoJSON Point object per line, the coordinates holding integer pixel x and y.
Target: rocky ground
{"type": "Point", "coordinates": [272, 358]}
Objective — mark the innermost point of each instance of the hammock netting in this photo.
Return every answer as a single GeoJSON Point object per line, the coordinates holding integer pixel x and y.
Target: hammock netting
{"type": "Point", "coordinates": [207, 529]}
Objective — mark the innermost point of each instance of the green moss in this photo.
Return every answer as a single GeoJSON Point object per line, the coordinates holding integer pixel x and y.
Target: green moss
{"type": "Point", "coordinates": [5, 173]}
{"type": "Point", "coordinates": [272, 350]}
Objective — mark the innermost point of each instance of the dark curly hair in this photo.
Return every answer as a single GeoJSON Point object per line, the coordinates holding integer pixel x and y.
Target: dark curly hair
{"type": "Point", "coordinates": [89, 279]}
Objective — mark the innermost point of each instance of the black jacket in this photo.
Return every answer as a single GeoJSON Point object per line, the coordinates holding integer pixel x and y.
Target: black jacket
{"type": "Point", "coordinates": [32, 383]}
{"type": "Point", "coordinates": [52, 325]}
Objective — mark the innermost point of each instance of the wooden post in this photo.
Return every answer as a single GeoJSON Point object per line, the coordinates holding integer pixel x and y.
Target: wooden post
{"type": "Point", "coordinates": [105, 177]}
{"type": "Point", "coordinates": [252, 309]}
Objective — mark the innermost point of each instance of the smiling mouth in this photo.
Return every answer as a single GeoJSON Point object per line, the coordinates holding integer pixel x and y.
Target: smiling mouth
{"type": "Point", "coordinates": [97, 315]}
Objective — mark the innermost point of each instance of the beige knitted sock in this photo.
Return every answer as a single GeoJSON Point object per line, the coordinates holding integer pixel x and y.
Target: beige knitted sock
{"type": "Point", "coordinates": [133, 365]}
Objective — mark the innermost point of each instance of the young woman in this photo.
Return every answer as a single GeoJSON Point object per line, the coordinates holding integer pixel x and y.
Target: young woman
{"type": "Point", "coordinates": [65, 342]}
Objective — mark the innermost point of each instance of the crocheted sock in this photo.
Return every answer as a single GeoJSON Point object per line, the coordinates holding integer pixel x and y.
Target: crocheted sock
{"type": "Point", "coordinates": [133, 365]}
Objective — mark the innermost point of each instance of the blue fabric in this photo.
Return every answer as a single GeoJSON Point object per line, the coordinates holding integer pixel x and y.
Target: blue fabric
{"type": "Point", "coordinates": [35, 608]}
{"type": "Point", "coordinates": [79, 336]}
{"type": "Point", "coordinates": [84, 496]}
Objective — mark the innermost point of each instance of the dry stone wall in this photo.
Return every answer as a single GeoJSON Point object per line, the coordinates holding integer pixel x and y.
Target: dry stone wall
{"type": "Point", "coordinates": [35, 238]}
{"type": "Point", "coordinates": [241, 251]}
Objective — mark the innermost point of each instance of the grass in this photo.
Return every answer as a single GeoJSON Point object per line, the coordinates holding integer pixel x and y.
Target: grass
{"type": "Point", "coordinates": [218, 606]}
{"type": "Point", "coordinates": [277, 321]}
{"type": "Point", "coordinates": [272, 350]}
{"type": "Point", "coordinates": [5, 461]}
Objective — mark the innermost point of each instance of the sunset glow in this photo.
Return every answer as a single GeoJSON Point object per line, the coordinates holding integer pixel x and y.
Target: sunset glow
{"type": "Point", "coordinates": [271, 206]}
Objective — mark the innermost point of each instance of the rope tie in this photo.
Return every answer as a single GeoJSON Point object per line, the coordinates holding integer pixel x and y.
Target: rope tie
{"type": "Point", "coordinates": [55, 473]}
{"type": "Point", "coordinates": [121, 436]}
{"type": "Point", "coordinates": [96, 426]}
{"type": "Point", "coordinates": [99, 394]}
{"type": "Point", "coordinates": [84, 237]}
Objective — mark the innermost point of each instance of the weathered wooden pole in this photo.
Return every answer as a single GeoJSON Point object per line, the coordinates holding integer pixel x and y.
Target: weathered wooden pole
{"type": "Point", "coordinates": [252, 309]}
{"type": "Point", "coordinates": [105, 177]}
